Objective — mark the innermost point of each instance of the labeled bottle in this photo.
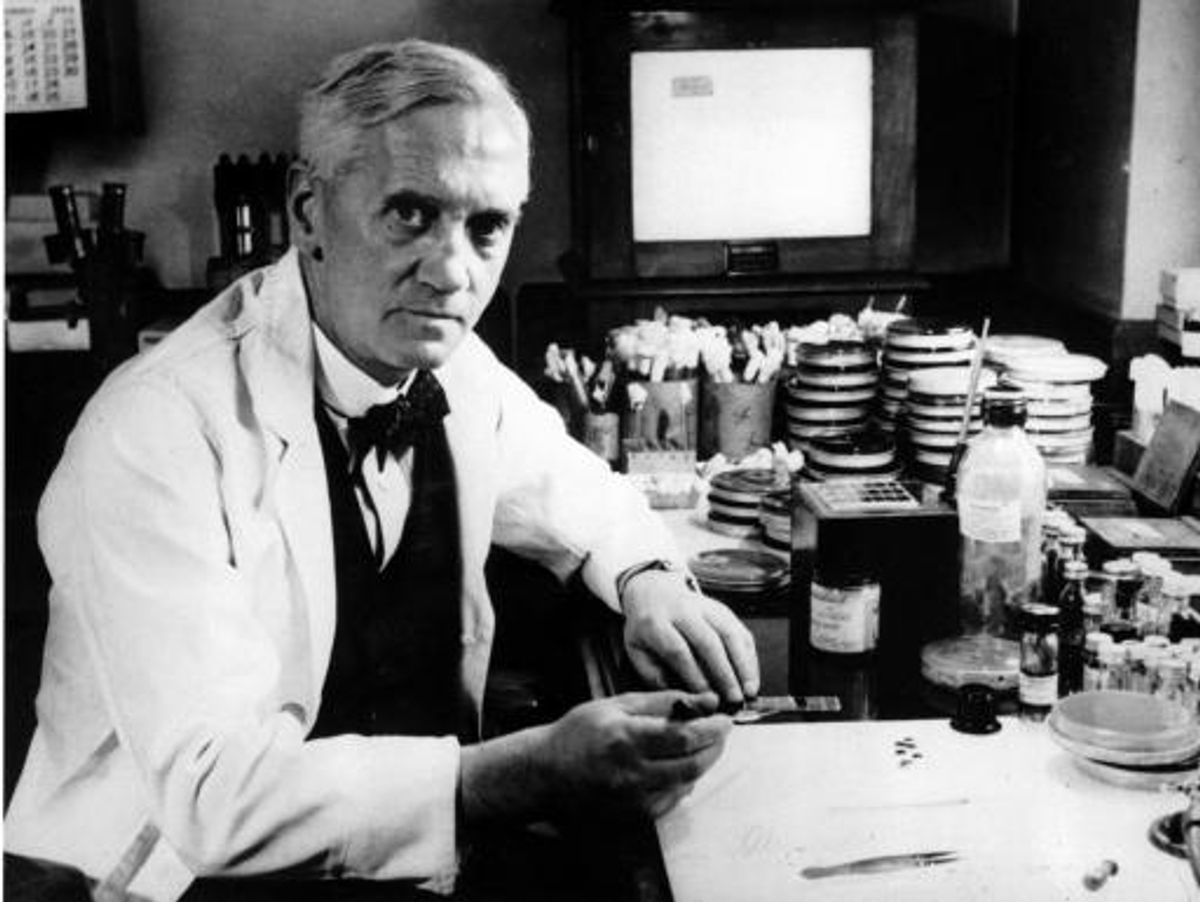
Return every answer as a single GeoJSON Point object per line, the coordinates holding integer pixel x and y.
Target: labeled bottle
{"type": "Point", "coordinates": [1001, 500]}
{"type": "Point", "coordinates": [1071, 633]}
{"type": "Point", "coordinates": [841, 636]}
{"type": "Point", "coordinates": [1037, 686]}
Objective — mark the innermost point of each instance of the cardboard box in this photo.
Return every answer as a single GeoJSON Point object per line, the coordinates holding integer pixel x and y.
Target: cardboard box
{"type": "Point", "coordinates": [1180, 286]}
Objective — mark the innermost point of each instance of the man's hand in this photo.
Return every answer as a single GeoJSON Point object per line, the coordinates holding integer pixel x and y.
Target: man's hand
{"type": "Point", "coordinates": [625, 752]}
{"type": "Point", "coordinates": [674, 635]}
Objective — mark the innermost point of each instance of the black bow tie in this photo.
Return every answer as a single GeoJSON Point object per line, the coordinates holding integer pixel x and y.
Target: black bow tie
{"type": "Point", "coordinates": [393, 428]}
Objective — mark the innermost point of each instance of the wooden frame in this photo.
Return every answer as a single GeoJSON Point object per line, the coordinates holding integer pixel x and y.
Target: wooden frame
{"type": "Point", "coordinates": [604, 41]}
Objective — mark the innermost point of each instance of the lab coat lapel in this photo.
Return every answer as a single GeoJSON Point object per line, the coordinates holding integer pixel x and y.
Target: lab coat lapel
{"type": "Point", "coordinates": [470, 435]}
{"type": "Point", "coordinates": [278, 364]}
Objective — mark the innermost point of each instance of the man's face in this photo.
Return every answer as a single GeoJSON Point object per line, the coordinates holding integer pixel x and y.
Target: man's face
{"type": "Point", "coordinates": [413, 239]}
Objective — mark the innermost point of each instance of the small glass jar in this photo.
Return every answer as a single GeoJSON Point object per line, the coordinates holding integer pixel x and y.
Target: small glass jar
{"type": "Point", "coordinates": [1175, 598]}
{"type": "Point", "coordinates": [1037, 687]}
{"type": "Point", "coordinates": [1152, 656]}
{"type": "Point", "coordinates": [1093, 612]}
{"type": "Point", "coordinates": [1138, 679]}
{"type": "Point", "coordinates": [1122, 582]}
{"type": "Point", "coordinates": [1113, 666]}
{"type": "Point", "coordinates": [1171, 680]}
{"type": "Point", "coordinates": [1154, 568]}
{"type": "Point", "coordinates": [1093, 670]}
{"type": "Point", "coordinates": [1191, 697]}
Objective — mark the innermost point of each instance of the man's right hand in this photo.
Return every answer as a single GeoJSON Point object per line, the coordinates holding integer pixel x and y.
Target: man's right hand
{"type": "Point", "coordinates": [625, 750]}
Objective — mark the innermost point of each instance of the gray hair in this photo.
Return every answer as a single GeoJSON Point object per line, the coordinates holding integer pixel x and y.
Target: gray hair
{"type": "Point", "coordinates": [380, 82]}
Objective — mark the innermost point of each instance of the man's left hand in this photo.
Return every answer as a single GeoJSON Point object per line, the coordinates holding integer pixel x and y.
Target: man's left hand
{"type": "Point", "coordinates": [676, 636]}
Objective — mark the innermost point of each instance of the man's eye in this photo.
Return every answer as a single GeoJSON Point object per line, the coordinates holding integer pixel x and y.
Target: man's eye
{"type": "Point", "coordinates": [409, 216]}
{"type": "Point", "coordinates": [488, 229]}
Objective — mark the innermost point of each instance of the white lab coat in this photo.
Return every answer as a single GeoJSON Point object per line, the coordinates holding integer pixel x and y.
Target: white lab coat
{"type": "Point", "coordinates": [187, 534]}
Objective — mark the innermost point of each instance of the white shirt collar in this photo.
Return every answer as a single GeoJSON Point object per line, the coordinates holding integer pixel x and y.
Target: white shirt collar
{"type": "Point", "coordinates": [343, 386]}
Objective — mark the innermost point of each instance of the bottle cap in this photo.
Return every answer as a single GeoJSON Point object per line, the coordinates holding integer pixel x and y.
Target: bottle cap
{"type": "Point", "coordinates": [1075, 569]}
{"type": "Point", "coordinates": [1097, 640]}
{"type": "Point", "coordinates": [1120, 630]}
{"type": "Point", "coordinates": [1004, 405]}
{"type": "Point", "coordinates": [1121, 566]}
{"type": "Point", "coordinates": [976, 711]}
{"type": "Point", "coordinates": [1073, 534]}
{"type": "Point", "coordinates": [1039, 616]}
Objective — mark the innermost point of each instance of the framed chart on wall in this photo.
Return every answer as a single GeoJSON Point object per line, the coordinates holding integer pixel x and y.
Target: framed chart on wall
{"type": "Point", "coordinates": [71, 64]}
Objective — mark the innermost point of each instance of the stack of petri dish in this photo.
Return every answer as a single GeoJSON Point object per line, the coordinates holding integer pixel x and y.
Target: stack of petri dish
{"type": "Point", "coordinates": [933, 413]}
{"type": "Point", "coordinates": [775, 518]}
{"type": "Point", "coordinates": [1059, 389]}
{"type": "Point", "coordinates": [915, 344]}
{"type": "Point", "coordinates": [735, 497]}
{"type": "Point", "coordinates": [831, 390]}
{"type": "Point", "coordinates": [1004, 350]}
{"type": "Point", "coordinates": [870, 453]}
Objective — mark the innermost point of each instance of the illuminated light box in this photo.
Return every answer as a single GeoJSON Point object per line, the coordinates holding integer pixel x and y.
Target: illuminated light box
{"type": "Point", "coordinates": [715, 156]}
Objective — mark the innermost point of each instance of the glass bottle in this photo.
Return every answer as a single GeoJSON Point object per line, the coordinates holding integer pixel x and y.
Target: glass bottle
{"type": "Point", "coordinates": [1050, 556]}
{"type": "Point", "coordinates": [842, 628]}
{"type": "Point", "coordinates": [1071, 628]}
{"type": "Point", "coordinates": [1001, 499]}
{"type": "Point", "coordinates": [1037, 687]}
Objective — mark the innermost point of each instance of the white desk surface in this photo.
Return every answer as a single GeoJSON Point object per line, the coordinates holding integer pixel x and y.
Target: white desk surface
{"type": "Point", "coordinates": [1026, 822]}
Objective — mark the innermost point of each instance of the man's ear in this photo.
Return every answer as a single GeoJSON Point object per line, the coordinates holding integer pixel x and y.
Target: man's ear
{"type": "Point", "coordinates": [304, 213]}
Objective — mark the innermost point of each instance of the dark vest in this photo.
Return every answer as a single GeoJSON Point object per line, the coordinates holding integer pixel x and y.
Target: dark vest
{"type": "Point", "coordinates": [396, 649]}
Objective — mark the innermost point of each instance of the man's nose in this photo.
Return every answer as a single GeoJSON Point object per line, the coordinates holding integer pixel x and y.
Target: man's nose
{"type": "Point", "coordinates": [444, 263]}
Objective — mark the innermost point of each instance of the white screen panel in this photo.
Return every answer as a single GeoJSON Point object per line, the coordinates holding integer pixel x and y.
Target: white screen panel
{"type": "Point", "coordinates": [745, 144]}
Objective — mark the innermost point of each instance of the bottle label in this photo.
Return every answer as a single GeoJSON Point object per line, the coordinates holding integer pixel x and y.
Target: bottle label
{"type": "Point", "coordinates": [989, 521]}
{"type": "Point", "coordinates": [844, 621]}
{"type": "Point", "coordinates": [1041, 691]}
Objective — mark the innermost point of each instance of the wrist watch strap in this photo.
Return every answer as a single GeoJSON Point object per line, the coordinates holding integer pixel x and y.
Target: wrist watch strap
{"type": "Point", "coordinates": [629, 573]}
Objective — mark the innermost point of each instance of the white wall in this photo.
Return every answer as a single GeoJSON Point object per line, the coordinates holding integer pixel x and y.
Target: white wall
{"type": "Point", "coordinates": [223, 76]}
{"type": "Point", "coordinates": [1163, 226]}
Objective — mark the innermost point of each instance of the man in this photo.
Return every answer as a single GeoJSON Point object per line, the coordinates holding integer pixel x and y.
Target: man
{"type": "Point", "coordinates": [269, 630]}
